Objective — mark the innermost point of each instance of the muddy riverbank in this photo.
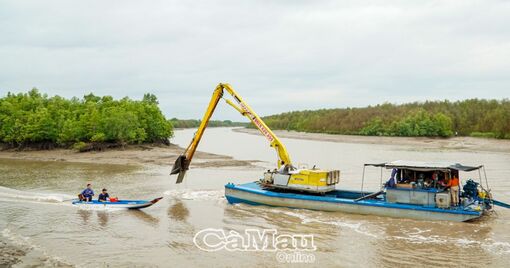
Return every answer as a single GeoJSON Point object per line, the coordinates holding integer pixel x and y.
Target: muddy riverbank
{"type": "Point", "coordinates": [160, 155]}
{"type": "Point", "coordinates": [454, 143]}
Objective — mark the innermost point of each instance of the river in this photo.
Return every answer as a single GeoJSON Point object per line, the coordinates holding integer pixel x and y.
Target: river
{"type": "Point", "coordinates": [40, 228]}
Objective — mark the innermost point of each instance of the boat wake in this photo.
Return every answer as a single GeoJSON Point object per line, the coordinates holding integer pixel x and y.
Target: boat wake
{"type": "Point", "coordinates": [355, 226]}
{"type": "Point", "coordinates": [188, 194]}
{"type": "Point", "coordinates": [376, 229]}
{"type": "Point", "coordinates": [13, 195]}
{"type": "Point", "coordinates": [426, 237]}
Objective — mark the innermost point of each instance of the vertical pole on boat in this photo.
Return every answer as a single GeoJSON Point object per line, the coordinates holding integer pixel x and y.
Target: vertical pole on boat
{"type": "Point", "coordinates": [480, 177]}
{"type": "Point", "coordinates": [485, 175]}
{"type": "Point", "coordinates": [363, 179]}
{"type": "Point", "coordinates": [489, 195]}
{"type": "Point", "coordinates": [381, 178]}
{"type": "Point", "coordinates": [461, 187]}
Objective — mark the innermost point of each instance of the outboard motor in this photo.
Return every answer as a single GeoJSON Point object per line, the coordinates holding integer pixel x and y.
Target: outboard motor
{"type": "Point", "coordinates": [470, 189]}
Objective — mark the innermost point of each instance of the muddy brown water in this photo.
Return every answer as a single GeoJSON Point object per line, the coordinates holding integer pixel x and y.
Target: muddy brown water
{"type": "Point", "coordinates": [39, 228]}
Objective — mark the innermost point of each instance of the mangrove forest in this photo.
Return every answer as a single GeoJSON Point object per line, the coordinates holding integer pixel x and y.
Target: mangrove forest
{"type": "Point", "coordinates": [35, 120]}
{"type": "Point", "coordinates": [473, 117]}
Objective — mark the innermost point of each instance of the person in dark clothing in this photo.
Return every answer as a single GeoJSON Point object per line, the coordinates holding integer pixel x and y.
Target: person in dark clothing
{"type": "Point", "coordinates": [87, 194]}
{"type": "Point", "coordinates": [103, 196]}
{"type": "Point", "coordinates": [392, 182]}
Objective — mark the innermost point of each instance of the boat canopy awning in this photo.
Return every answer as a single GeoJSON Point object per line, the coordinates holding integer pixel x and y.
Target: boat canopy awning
{"type": "Point", "coordinates": [425, 166]}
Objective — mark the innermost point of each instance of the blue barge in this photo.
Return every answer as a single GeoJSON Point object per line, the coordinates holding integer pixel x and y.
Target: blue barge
{"type": "Point", "coordinates": [419, 196]}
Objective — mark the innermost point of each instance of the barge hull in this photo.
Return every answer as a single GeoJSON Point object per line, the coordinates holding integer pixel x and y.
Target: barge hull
{"type": "Point", "coordinates": [254, 195]}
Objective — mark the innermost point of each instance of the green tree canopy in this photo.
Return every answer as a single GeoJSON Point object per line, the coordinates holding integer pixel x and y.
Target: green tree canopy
{"type": "Point", "coordinates": [488, 118]}
{"type": "Point", "coordinates": [32, 117]}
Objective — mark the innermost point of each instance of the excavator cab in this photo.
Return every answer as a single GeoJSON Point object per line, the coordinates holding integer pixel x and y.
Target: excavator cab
{"type": "Point", "coordinates": [303, 180]}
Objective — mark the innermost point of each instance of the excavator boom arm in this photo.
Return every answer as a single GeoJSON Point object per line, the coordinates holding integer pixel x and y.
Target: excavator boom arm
{"type": "Point", "coordinates": [183, 161]}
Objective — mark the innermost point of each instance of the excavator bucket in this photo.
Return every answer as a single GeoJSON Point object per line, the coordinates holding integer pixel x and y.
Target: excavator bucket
{"type": "Point", "coordinates": [180, 167]}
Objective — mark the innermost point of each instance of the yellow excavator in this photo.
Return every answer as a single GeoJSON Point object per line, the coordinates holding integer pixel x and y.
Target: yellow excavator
{"type": "Point", "coordinates": [285, 177]}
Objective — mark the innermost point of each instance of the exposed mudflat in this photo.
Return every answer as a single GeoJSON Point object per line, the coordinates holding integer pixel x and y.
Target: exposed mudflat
{"type": "Point", "coordinates": [130, 155]}
{"type": "Point", "coordinates": [9, 254]}
{"type": "Point", "coordinates": [460, 143]}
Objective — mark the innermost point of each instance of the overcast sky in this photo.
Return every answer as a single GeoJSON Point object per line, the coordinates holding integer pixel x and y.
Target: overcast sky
{"type": "Point", "coordinates": [279, 55]}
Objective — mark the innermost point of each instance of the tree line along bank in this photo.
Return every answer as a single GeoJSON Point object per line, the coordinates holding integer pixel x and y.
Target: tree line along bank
{"type": "Point", "coordinates": [473, 117]}
{"type": "Point", "coordinates": [35, 120]}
